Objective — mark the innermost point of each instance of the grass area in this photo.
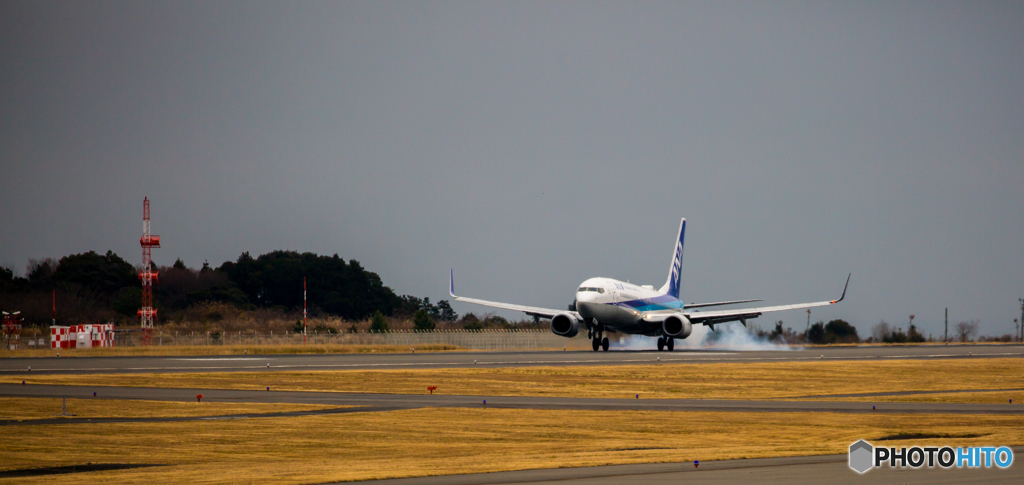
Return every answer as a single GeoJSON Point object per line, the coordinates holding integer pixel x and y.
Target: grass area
{"type": "Point", "coordinates": [268, 349]}
{"type": "Point", "coordinates": [750, 381]}
{"type": "Point", "coordinates": [42, 407]}
{"type": "Point", "coordinates": [424, 442]}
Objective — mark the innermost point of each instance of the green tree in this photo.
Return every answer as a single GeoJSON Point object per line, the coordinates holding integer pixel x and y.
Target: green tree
{"type": "Point", "coordinates": [421, 320]}
{"type": "Point", "coordinates": [445, 312]}
{"type": "Point", "coordinates": [103, 274]}
{"type": "Point", "coordinates": [777, 332]}
{"type": "Point", "coordinates": [379, 324]}
{"type": "Point", "coordinates": [913, 335]}
{"type": "Point", "coordinates": [840, 331]}
{"type": "Point", "coordinates": [128, 301]}
{"type": "Point", "coordinates": [816, 334]}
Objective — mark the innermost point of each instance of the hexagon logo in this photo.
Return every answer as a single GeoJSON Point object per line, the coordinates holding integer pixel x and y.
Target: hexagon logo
{"type": "Point", "coordinates": [861, 454]}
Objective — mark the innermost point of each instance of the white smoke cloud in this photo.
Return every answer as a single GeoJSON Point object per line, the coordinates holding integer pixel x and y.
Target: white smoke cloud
{"type": "Point", "coordinates": [729, 336]}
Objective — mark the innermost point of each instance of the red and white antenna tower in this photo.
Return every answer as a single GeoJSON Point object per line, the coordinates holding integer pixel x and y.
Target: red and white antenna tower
{"type": "Point", "coordinates": [147, 313]}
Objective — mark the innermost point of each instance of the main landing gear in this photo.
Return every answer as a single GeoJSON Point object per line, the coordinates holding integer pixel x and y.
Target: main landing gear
{"type": "Point", "coordinates": [597, 341]}
{"type": "Point", "coordinates": [666, 342]}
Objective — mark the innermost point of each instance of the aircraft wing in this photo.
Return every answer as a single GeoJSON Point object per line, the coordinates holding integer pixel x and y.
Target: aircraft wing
{"type": "Point", "coordinates": [717, 303]}
{"type": "Point", "coordinates": [715, 317]}
{"type": "Point", "coordinates": [529, 310]}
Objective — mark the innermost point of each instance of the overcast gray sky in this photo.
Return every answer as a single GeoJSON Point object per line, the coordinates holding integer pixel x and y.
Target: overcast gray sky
{"type": "Point", "coordinates": [531, 145]}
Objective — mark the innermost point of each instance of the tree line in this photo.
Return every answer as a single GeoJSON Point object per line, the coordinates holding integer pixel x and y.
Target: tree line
{"type": "Point", "coordinates": [840, 331]}
{"type": "Point", "coordinates": [93, 287]}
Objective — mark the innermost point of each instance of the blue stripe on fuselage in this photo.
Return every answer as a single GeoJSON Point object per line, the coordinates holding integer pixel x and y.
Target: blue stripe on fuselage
{"type": "Point", "coordinates": [663, 302]}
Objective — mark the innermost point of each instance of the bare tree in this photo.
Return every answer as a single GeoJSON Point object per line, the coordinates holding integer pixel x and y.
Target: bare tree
{"type": "Point", "coordinates": [880, 331]}
{"type": "Point", "coordinates": [966, 330]}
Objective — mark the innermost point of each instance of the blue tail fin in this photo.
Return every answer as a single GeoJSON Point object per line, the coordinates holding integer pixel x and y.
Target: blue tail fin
{"type": "Point", "coordinates": [671, 287]}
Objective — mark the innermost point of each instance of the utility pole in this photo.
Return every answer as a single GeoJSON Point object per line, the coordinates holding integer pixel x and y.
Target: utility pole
{"type": "Point", "coordinates": [945, 335]}
{"type": "Point", "coordinates": [303, 310]}
{"type": "Point", "coordinates": [808, 322]}
{"type": "Point", "coordinates": [1021, 319]}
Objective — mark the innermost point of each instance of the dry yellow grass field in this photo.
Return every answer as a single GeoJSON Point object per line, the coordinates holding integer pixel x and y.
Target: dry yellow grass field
{"type": "Point", "coordinates": [777, 380]}
{"type": "Point", "coordinates": [423, 442]}
{"type": "Point", "coordinates": [42, 407]}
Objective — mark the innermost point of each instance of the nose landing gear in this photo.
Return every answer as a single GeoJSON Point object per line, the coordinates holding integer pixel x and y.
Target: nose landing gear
{"type": "Point", "coordinates": [597, 340]}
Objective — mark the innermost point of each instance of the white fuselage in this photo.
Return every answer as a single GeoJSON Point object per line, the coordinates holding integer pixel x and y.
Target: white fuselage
{"type": "Point", "coordinates": [622, 306]}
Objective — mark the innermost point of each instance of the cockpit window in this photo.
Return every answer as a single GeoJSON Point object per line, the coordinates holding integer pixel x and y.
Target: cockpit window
{"type": "Point", "coordinates": [590, 288]}
{"type": "Point", "coordinates": [600, 290]}
{"type": "Point", "coordinates": [582, 289]}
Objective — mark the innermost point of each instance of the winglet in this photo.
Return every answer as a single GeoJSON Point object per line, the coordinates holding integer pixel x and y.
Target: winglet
{"type": "Point", "coordinates": [844, 290]}
{"type": "Point", "coordinates": [451, 283]}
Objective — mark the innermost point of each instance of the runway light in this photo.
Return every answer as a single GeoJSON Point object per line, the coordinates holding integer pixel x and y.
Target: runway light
{"type": "Point", "coordinates": [268, 388]}
{"type": "Point", "coordinates": [414, 350]}
{"type": "Point", "coordinates": [268, 365]}
{"type": "Point", "coordinates": [30, 368]}
{"type": "Point", "coordinates": [485, 402]}
{"type": "Point", "coordinates": [474, 361]}
{"type": "Point", "coordinates": [199, 398]}
{"type": "Point", "coordinates": [23, 383]}
{"type": "Point", "coordinates": [93, 393]}
{"type": "Point", "coordinates": [638, 396]}
{"type": "Point", "coordinates": [872, 408]}
{"type": "Point", "coordinates": [659, 359]}
{"type": "Point", "coordinates": [696, 463]}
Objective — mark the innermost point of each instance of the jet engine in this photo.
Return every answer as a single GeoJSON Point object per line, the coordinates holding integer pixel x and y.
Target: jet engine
{"type": "Point", "coordinates": [565, 325]}
{"type": "Point", "coordinates": [675, 326]}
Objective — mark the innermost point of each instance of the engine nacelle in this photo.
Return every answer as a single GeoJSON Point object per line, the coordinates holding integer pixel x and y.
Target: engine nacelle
{"type": "Point", "coordinates": [677, 326]}
{"type": "Point", "coordinates": [565, 325]}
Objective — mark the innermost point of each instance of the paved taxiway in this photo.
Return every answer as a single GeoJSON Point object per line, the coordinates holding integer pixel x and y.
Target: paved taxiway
{"type": "Point", "coordinates": [88, 365]}
{"type": "Point", "coordinates": [791, 470]}
{"type": "Point", "coordinates": [387, 402]}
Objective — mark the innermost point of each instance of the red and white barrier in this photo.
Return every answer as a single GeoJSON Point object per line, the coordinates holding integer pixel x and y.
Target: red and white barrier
{"type": "Point", "coordinates": [60, 337]}
{"type": "Point", "coordinates": [103, 335]}
{"type": "Point", "coordinates": [82, 336]}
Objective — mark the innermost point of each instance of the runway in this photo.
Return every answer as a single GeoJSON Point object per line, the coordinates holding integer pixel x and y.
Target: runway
{"type": "Point", "coordinates": [788, 470]}
{"type": "Point", "coordinates": [390, 402]}
{"type": "Point", "coordinates": [90, 365]}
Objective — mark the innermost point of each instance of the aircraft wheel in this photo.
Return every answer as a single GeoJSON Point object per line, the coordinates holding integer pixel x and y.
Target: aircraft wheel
{"type": "Point", "coordinates": [661, 344]}
{"type": "Point", "coordinates": [670, 343]}
{"type": "Point", "coordinates": [604, 344]}
{"type": "Point", "coordinates": [596, 343]}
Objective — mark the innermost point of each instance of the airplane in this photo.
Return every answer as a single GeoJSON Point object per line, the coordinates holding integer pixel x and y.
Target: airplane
{"type": "Point", "coordinates": [609, 305]}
